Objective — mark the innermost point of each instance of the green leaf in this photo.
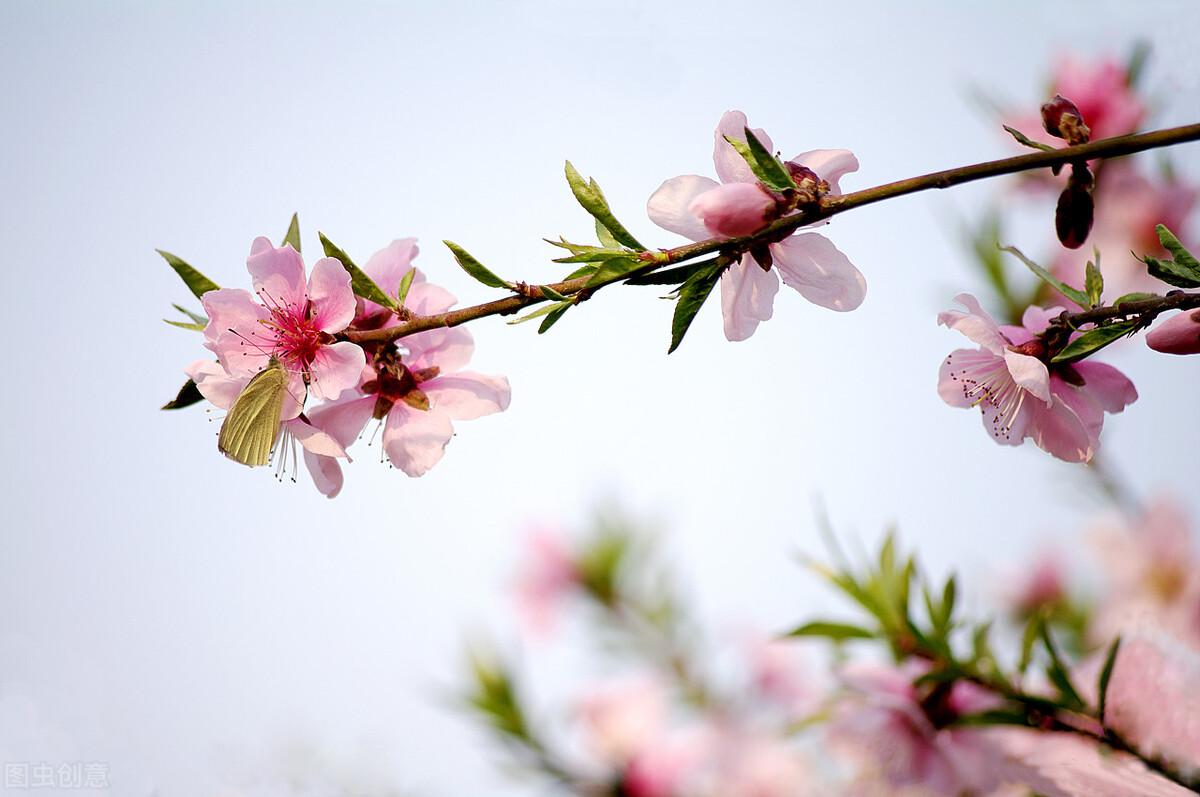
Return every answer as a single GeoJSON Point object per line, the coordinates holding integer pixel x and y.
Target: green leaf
{"type": "Point", "coordinates": [473, 267]}
{"type": "Point", "coordinates": [1134, 297]}
{"type": "Point", "coordinates": [592, 199]}
{"type": "Point", "coordinates": [1182, 256]}
{"type": "Point", "coordinates": [1106, 672]}
{"type": "Point", "coordinates": [552, 294]}
{"type": "Point", "coordinates": [949, 594]}
{"type": "Point", "coordinates": [360, 283]}
{"type": "Point", "coordinates": [1074, 294]}
{"type": "Point", "coordinates": [197, 283]}
{"type": "Point", "coordinates": [405, 284]}
{"type": "Point", "coordinates": [838, 631]}
{"type": "Point", "coordinates": [1027, 141]}
{"type": "Point", "coordinates": [766, 167]}
{"type": "Point", "coordinates": [994, 717]}
{"type": "Point", "coordinates": [293, 233]}
{"type": "Point", "coordinates": [199, 319]}
{"type": "Point", "coordinates": [192, 325]}
{"type": "Point", "coordinates": [188, 395]}
{"type": "Point", "coordinates": [1170, 272]}
{"type": "Point", "coordinates": [538, 313]}
{"type": "Point", "coordinates": [605, 236]}
{"type": "Point", "coordinates": [692, 294]}
{"type": "Point", "coordinates": [1057, 672]}
{"type": "Point", "coordinates": [613, 270]}
{"type": "Point", "coordinates": [1093, 340]}
{"type": "Point", "coordinates": [670, 276]}
{"type": "Point", "coordinates": [582, 271]}
{"type": "Point", "coordinates": [556, 312]}
{"type": "Point", "coordinates": [1094, 281]}
{"type": "Point", "coordinates": [1032, 628]}
{"type": "Point", "coordinates": [590, 254]}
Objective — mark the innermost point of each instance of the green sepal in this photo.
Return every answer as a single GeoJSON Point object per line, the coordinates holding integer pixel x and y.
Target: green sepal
{"type": "Point", "coordinates": [197, 283]}
{"type": "Point", "coordinates": [405, 284]}
{"type": "Point", "coordinates": [360, 283]}
{"type": "Point", "coordinates": [477, 270]}
{"type": "Point", "coordinates": [591, 198]}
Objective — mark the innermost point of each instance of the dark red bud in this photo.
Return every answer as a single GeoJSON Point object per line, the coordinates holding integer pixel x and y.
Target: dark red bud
{"type": "Point", "coordinates": [1074, 214]}
{"type": "Point", "coordinates": [1062, 119]}
{"type": "Point", "coordinates": [802, 174]}
{"type": "Point", "coordinates": [762, 255]}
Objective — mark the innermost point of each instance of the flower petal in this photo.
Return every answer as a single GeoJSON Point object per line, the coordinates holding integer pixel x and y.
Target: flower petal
{"type": "Point", "coordinates": [331, 296]}
{"type": "Point", "coordinates": [234, 331]}
{"type": "Point", "coordinates": [387, 266]}
{"type": "Point", "coordinates": [830, 165]}
{"type": "Point", "coordinates": [425, 298]}
{"type": "Point", "coordinates": [336, 368]}
{"type": "Point", "coordinates": [1029, 373]}
{"type": "Point", "coordinates": [1036, 319]}
{"type": "Point", "coordinates": [1107, 386]}
{"type": "Point", "coordinates": [414, 440]}
{"type": "Point", "coordinates": [278, 273]}
{"type": "Point", "coordinates": [315, 440]}
{"type": "Point", "coordinates": [732, 167]}
{"type": "Point", "coordinates": [956, 390]}
{"type": "Point", "coordinates": [812, 265]}
{"type": "Point", "coordinates": [449, 349]}
{"type": "Point", "coordinates": [670, 206]}
{"type": "Point", "coordinates": [1070, 427]}
{"type": "Point", "coordinates": [747, 297]}
{"type": "Point", "coordinates": [215, 384]}
{"type": "Point", "coordinates": [326, 473]}
{"type": "Point", "coordinates": [467, 395]}
{"type": "Point", "coordinates": [975, 324]}
{"type": "Point", "coordinates": [344, 419]}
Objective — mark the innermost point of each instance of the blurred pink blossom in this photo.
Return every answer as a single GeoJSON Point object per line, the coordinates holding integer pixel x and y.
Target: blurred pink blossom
{"type": "Point", "coordinates": [807, 262]}
{"type": "Point", "coordinates": [1018, 395]}
{"type": "Point", "coordinates": [622, 718]}
{"type": "Point", "coordinates": [1040, 584]}
{"type": "Point", "coordinates": [548, 574]}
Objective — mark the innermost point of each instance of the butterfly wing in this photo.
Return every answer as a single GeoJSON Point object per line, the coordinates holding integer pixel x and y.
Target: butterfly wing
{"type": "Point", "coordinates": [252, 425]}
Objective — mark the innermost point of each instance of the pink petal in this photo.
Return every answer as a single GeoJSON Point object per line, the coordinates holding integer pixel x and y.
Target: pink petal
{"type": "Point", "coordinates": [387, 266]}
{"type": "Point", "coordinates": [1068, 429]}
{"type": "Point", "coordinates": [731, 167]}
{"type": "Point", "coordinates": [278, 273]}
{"type": "Point", "coordinates": [326, 473]}
{"type": "Point", "coordinates": [669, 206]}
{"type": "Point", "coordinates": [830, 165]}
{"type": "Point", "coordinates": [336, 368]}
{"type": "Point", "coordinates": [1107, 386]}
{"type": "Point", "coordinates": [747, 297]}
{"type": "Point", "coordinates": [415, 440]}
{"type": "Point", "coordinates": [234, 332]}
{"type": "Point", "coordinates": [331, 296]}
{"type": "Point", "coordinates": [449, 349]}
{"type": "Point", "coordinates": [812, 265]}
{"type": "Point", "coordinates": [975, 324]}
{"type": "Point", "coordinates": [1037, 319]}
{"type": "Point", "coordinates": [467, 395]}
{"type": "Point", "coordinates": [951, 388]}
{"type": "Point", "coordinates": [1030, 373]}
{"type": "Point", "coordinates": [425, 298]}
{"type": "Point", "coordinates": [314, 440]}
{"type": "Point", "coordinates": [1179, 334]}
{"type": "Point", "coordinates": [344, 419]}
{"type": "Point", "coordinates": [294, 396]}
{"type": "Point", "coordinates": [735, 209]}
{"type": "Point", "coordinates": [215, 384]}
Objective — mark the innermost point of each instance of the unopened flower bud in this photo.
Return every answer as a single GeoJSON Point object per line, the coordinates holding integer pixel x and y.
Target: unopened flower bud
{"type": "Point", "coordinates": [1062, 119]}
{"type": "Point", "coordinates": [1177, 335]}
{"type": "Point", "coordinates": [734, 209]}
{"type": "Point", "coordinates": [1076, 209]}
{"type": "Point", "coordinates": [804, 177]}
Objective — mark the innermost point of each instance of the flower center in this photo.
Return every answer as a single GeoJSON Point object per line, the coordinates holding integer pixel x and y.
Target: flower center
{"type": "Point", "coordinates": [296, 340]}
{"type": "Point", "coordinates": [396, 382]}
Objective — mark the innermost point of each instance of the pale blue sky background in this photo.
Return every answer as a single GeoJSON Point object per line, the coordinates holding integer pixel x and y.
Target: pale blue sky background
{"type": "Point", "coordinates": [185, 619]}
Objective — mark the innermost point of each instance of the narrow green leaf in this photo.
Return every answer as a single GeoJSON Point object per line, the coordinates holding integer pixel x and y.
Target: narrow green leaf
{"type": "Point", "coordinates": [1094, 282]}
{"type": "Point", "coordinates": [552, 294]}
{"type": "Point", "coordinates": [473, 267]}
{"type": "Point", "coordinates": [1172, 273]}
{"type": "Point", "coordinates": [556, 312]}
{"type": "Point", "coordinates": [1093, 341]}
{"type": "Point", "coordinates": [949, 595]}
{"type": "Point", "coordinates": [1057, 672]}
{"type": "Point", "coordinates": [777, 174]}
{"type": "Point", "coordinates": [1032, 628]}
{"type": "Point", "coordinates": [612, 270]}
{"type": "Point", "coordinates": [538, 313]}
{"type": "Point", "coordinates": [592, 254]}
{"type": "Point", "coordinates": [1074, 294]}
{"type": "Point", "coordinates": [192, 325]}
{"type": "Point", "coordinates": [199, 319]}
{"type": "Point", "coordinates": [360, 283]}
{"type": "Point", "coordinates": [188, 395]}
{"type": "Point", "coordinates": [993, 717]}
{"type": "Point", "coordinates": [692, 294]}
{"type": "Point", "coordinates": [405, 284]}
{"type": "Point", "coordinates": [197, 283]}
{"type": "Point", "coordinates": [1027, 141]}
{"type": "Point", "coordinates": [582, 271]}
{"type": "Point", "coordinates": [605, 236]}
{"type": "Point", "coordinates": [591, 198]}
{"type": "Point", "coordinates": [1134, 297]}
{"type": "Point", "coordinates": [670, 276]}
{"type": "Point", "coordinates": [1106, 672]}
{"type": "Point", "coordinates": [293, 233]}
{"type": "Point", "coordinates": [829, 630]}
{"type": "Point", "coordinates": [1182, 256]}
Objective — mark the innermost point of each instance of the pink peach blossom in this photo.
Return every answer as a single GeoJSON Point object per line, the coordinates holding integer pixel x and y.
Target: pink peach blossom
{"type": "Point", "coordinates": [1154, 697]}
{"type": "Point", "coordinates": [1061, 410]}
{"type": "Point", "coordinates": [222, 390]}
{"type": "Point", "coordinates": [807, 262]}
{"type": "Point", "coordinates": [548, 575]}
{"type": "Point", "coordinates": [294, 321]}
{"type": "Point", "coordinates": [622, 718]}
{"type": "Point", "coordinates": [1038, 585]}
{"type": "Point", "coordinates": [1179, 334]}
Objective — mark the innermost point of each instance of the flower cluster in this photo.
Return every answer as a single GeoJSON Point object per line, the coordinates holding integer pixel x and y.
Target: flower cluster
{"type": "Point", "coordinates": [303, 323]}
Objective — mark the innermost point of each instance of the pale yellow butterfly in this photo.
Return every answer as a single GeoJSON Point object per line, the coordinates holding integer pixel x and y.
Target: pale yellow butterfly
{"type": "Point", "coordinates": [251, 428]}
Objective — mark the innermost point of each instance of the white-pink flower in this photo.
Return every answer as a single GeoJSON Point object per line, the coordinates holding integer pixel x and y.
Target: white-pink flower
{"type": "Point", "coordinates": [699, 208]}
{"type": "Point", "coordinates": [295, 320]}
{"type": "Point", "coordinates": [222, 390]}
{"type": "Point", "coordinates": [415, 387]}
{"type": "Point", "coordinates": [548, 574]}
{"type": "Point", "coordinates": [1061, 409]}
